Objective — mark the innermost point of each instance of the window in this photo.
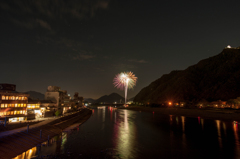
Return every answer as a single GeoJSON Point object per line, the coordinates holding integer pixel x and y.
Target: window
{"type": "Point", "coordinates": [22, 105]}
{"type": "Point", "coordinates": [24, 112]}
{"type": "Point", "coordinates": [6, 97]}
{"type": "Point", "coordinates": [21, 112]}
{"type": "Point", "coordinates": [25, 98]}
{"type": "Point", "coordinates": [6, 105]}
{"type": "Point", "coordinates": [19, 105]}
{"type": "Point", "coordinates": [10, 97]}
{"type": "Point", "coordinates": [8, 113]}
{"type": "Point", "coordinates": [2, 105]}
{"type": "Point", "coordinates": [16, 97]}
{"type": "Point", "coordinates": [12, 112]}
{"type": "Point", "coordinates": [18, 112]}
{"type": "Point", "coordinates": [5, 113]}
{"type": "Point", "coordinates": [1, 113]}
{"type": "Point", "coordinates": [13, 97]}
{"type": "Point", "coordinates": [3, 98]}
{"type": "Point", "coordinates": [15, 105]}
{"type": "Point", "coordinates": [15, 112]}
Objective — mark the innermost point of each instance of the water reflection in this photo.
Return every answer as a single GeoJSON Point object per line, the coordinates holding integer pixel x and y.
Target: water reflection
{"type": "Point", "coordinates": [132, 134]}
{"type": "Point", "coordinates": [224, 128]}
{"type": "Point", "coordinates": [125, 135]}
{"type": "Point", "coordinates": [183, 123]}
{"type": "Point", "coordinates": [235, 129]}
{"type": "Point", "coordinates": [177, 119]}
{"type": "Point", "coordinates": [170, 119]}
{"type": "Point", "coordinates": [219, 132]}
{"type": "Point", "coordinates": [202, 122]}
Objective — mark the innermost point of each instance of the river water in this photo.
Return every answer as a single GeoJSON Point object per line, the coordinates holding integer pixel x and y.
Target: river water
{"type": "Point", "coordinates": [118, 133]}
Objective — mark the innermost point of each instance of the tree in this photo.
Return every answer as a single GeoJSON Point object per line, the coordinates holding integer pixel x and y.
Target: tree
{"type": "Point", "coordinates": [58, 112]}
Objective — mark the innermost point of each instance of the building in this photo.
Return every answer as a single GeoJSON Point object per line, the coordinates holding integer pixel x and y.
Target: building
{"type": "Point", "coordinates": [13, 104]}
{"type": "Point", "coordinates": [77, 101]}
{"type": "Point", "coordinates": [218, 104]}
{"type": "Point", "coordinates": [34, 109]}
{"type": "Point", "coordinates": [54, 94]}
{"type": "Point", "coordinates": [60, 97]}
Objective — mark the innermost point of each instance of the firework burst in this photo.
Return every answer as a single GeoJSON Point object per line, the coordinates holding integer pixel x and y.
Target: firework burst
{"type": "Point", "coordinates": [124, 81]}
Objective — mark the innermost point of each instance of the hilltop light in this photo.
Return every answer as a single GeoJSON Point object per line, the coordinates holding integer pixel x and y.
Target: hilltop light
{"type": "Point", "coordinates": [228, 46]}
{"type": "Point", "coordinates": [169, 103]}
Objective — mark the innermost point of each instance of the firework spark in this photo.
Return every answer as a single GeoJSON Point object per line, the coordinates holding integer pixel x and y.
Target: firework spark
{"type": "Point", "coordinates": [125, 80]}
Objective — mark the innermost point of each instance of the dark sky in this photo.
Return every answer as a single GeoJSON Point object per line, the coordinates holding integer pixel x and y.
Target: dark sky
{"type": "Point", "coordinates": [81, 45]}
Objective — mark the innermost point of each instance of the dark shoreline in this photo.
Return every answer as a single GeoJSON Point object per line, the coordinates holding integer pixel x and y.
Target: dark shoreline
{"type": "Point", "coordinates": [215, 114]}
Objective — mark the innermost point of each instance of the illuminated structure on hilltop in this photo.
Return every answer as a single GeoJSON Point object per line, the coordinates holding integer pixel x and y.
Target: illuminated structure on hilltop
{"type": "Point", "coordinates": [124, 81]}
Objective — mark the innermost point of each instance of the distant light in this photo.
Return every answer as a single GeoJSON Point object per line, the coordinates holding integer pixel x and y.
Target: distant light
{"type": "Point", "coordinates": [170, 103]}
{"type": "Point", "coordinates": [228, 46]}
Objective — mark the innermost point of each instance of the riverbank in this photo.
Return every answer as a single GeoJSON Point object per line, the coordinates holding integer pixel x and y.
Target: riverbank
{"type": "Point", "coordinates": [17, 143]}
{"type": "Point", "coordinates": [215, 114]}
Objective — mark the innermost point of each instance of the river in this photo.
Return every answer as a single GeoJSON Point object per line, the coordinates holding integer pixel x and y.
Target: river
{"type": "Point", "coordinates": [119, 133]}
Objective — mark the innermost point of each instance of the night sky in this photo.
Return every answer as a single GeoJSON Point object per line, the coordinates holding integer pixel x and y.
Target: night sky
{"type": "Point", "coordinates": [81, 45]}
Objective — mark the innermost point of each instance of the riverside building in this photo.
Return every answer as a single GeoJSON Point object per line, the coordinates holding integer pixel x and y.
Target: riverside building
{"type": "Point", "coordinates": [60, 97]}
{"type": "Point", "coordinates": [13, 104]}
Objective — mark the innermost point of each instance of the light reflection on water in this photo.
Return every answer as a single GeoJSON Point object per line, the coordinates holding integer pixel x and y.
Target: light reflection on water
{"type": "Point", "coordinates": [219, 133]}
{"type": "Point", "coordinates": [132, 134]}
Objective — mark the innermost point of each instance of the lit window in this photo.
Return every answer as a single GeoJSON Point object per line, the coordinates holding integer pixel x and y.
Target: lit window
{"type": "Point", "coordinates": [3, 98]}
{"type": "Point", "coordinates": [1, 113]}
{"type": "Point", "coordinates": [22, 105]}
{"type": "Point", "coordinates": [19, 105]}
{"type": "Point", "coordinates": [13, 97]}
{"type": "Point", "coordinates": [5, 113]}
{"type": "Point", "coordinates": [12, 112]}
{"type": "Point", "coordinates": [2, 105]}
{"type": "Point", "coordinates": [6, 97]}
{"type": "Point", "coordinates": [21, 112]}
{"type": "Point", "coordinates": [5, 105]}
{"type": "Point", "coordinates": [10, 97]}
{"type": "Point", "coordinates": [18, 112]}
{"type": "Point", "coordinates": [8, 113]}
{"type": "Point", "coordinates": [15, 105]}
{"type": "Point", "coordinates": [16, 97]}
{"type": "Point", "coordinates": [24, 112]}
{"type": "Point", "coordinates": [25, 98]}
{"type": "Point", "coordinates": [15, 112]}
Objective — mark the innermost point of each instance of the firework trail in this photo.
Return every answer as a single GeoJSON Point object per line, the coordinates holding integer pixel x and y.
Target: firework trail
{"type": "Point", "coordinates": [124, 81]}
